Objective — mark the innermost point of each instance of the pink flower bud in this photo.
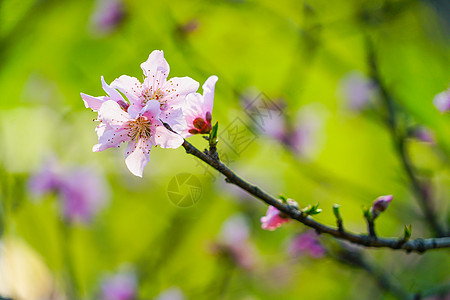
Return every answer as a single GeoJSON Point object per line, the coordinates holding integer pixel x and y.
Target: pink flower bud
{"type": "Point", "coordinates": [381, 204]}
{"type": "Point", "coordinates": [272, 220]}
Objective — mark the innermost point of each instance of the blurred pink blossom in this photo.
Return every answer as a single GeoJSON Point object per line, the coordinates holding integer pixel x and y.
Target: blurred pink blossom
{"type": "Point", "coordinates": [47, 179]}
{"type": "Point", "coordinates": [107, 15]}
{"type": "Point", "coordinates": [306, 243]}
{"type": "Point", "coordinates": [188, 28]}
{"type": "Point", "coordinates": [302, 135]}
{"type": "Point", "coordinates": [275, 127]}
{"type": "Point", "coordinates": [234, 240]}
{"type": "Point", "coordinates": [424, 134]}
{"type": "Point", "coordinates": [358, 90]}
{"type": "Point", "coordinates": [83, 194]}
{"type": "Point", "coordinates": [82, 190]}
{"type": "Point", "coordinates": [442, 101]}
{"type": "Point", "coordinates": [120, 286]}
{"type": "Point", "coordinates": [304, 138]}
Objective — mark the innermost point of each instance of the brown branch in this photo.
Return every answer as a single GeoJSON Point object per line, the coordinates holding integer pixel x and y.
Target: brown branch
{"type": "Point", "coordinates": [418, 245]}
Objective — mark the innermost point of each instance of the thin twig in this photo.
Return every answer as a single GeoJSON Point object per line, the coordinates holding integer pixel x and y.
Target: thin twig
{"type": "Point", "coordinates": [371, 228]}
{"type": "Point", "coordinates": [418, 245]}
{"type": "Point", "coordinates": [398, 138]}
{"type": "Point", "coordinates": [355, 258]}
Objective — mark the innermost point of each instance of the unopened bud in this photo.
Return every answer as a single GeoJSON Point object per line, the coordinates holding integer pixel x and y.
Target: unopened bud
{"type": "Point", "coordinates": [380, 205]}
{"type": "Point", "coordinates": [336, 212]}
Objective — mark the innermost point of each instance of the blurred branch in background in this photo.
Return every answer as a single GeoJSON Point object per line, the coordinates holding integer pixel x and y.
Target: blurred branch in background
{"type": "Point", "coordinates": [356, 259]}
{"type": "Point", "coordinates": [422, 191]}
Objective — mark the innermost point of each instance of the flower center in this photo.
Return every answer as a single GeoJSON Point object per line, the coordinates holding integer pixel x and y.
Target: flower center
{"type": "Point", "coordinates": [201, 126]}
{"type": "Point", "coordinates": [148, 95]}
{"type": "Point", "coordinates": [140, 127]}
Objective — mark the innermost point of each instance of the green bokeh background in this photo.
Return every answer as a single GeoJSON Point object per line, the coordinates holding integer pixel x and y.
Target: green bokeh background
{"type": "Point", "coordinates": [294, 50]}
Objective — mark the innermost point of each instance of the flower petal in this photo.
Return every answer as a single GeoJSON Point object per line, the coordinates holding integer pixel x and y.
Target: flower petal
{"type": "Point", "coordinates": [175, 119]}
{"type": "Point", "coordinates": [167, 139]}
{"type": "Point", "coordinates": [111, 113]}
{"type": "Point", "coordinates": [151, 110]}
{"type": "Point", "coordinates": [92, 102]}
{"type": "Point", "coordinates": [177, 88]}
{"type": "Point", "coordinates": [194, 107]}
{"type": "Point", "coordinates": [137, 155]}
{"type": "Point", "coordinates": [208, 92]}
{"type": "Point", "coordinates": [156, 69]}
{"type": "Point", "coordinates": [109, 138]}
{"type": "Point", "coordinates": [130, 86]}
{"type": "Point", "coordinates": [115, 95]}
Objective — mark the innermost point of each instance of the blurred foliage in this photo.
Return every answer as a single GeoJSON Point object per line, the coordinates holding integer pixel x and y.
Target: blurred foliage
{"type": "Point", "coordinates": [297, 51]}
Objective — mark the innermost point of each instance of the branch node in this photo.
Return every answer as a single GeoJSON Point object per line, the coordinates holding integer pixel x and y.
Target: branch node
{"type": "Point", "coordinates": [340, 226]}
{"type": "Point", "coordinates": [400, 243]}
{"type": "Point", "coordinates": [420, 245]}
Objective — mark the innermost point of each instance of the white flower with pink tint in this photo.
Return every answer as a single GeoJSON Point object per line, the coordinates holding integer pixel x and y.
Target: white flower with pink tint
{"type": "Point", "coordinates": [170, 94]}
{"type": "Point", "coordinates": [198, 109]}
{"type": "Point", "coordinates": [272, 220]}
{"type": "Point", "coordinates": [95, 103]}
{"type": "Point", "coordinates": [442, 101]}
{"type": "Point", "coordinates": [142, 131]}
